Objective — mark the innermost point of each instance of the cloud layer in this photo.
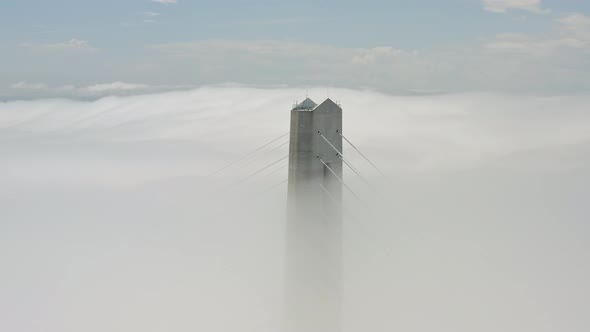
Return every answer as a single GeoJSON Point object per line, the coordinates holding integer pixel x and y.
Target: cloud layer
{"type": "Point", "coordinates": [91, 91]}
{"type": "Point", "coordinates": [165, 2]}
{"type": "Point", "coordinates": [554, 61]}
{"type": "Point", "coordinates": [502, 6]}
{"type": "Point", "coordinates": [460, 119]}
{"type": "Point", "coordinates": [108, 215]}
{"type": "Point", "coordinates": [73, 46]}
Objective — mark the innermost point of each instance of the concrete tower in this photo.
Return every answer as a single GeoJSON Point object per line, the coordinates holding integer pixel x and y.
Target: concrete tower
{"type": "Point", "coordinates": [314, 220]}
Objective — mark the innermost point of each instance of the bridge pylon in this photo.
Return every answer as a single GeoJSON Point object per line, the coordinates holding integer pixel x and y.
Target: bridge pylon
{"type": "Point", "coordinates": [314, 224]}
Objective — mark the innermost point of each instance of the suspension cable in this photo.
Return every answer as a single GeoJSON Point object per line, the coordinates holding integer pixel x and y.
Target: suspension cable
{"type": "Point", "coordinates": [356, 172]}
{"type": "Point", "coordinates": [329, 194]}
{"type": "Point", "coordinates": [363, 231]}
{"type": "Point", "coordinates": [277, 170]}
{"type": "Point", "coordinates": [263, 154]}
{"type": "Point", "coordinates": [329, 143]}
{"type": "Point", "coordinates": [341, 156]}
{"type": "Point", "coordinates": [241, 181]}
{"type": "Point", "coordinates": [274, 186]}
{"type": "Point", "coordinates": [247, 155]}
{"type": "Point", "coordinates": [365, 157]}
{"type": "Point", "coordinates": [340, 180]}
{"type": "Point", "coordinates": [278, 147]}
{"type": "Point", "coordinates": [265, 168]}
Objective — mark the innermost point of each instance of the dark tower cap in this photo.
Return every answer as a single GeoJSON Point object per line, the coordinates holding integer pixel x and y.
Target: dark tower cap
{"type": "Point", "coordinates": [306, 105]}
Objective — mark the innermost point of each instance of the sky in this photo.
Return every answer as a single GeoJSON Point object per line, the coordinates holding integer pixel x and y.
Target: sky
{"type": "Point", "coordinates": [118, 120]}
{"type": "Point", "coordinates": [88, 48]}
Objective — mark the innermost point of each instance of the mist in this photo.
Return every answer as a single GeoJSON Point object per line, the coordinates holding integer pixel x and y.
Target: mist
{"type": "Point", "coordinates": [117, 214]}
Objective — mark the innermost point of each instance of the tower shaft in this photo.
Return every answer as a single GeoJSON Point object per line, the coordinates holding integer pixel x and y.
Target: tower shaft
{"type": "Point", "coordinates": [314, 219]}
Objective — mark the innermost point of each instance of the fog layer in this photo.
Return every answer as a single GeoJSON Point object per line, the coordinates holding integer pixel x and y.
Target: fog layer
{"type": "Point", "coordinates": [110, 219]}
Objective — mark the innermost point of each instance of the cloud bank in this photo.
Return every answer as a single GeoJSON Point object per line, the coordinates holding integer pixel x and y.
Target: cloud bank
{"type": "Point", "coordinates": [108, 215]}
{"type": "Point", "coordinates": [118, 88]}
{"type": "Point", "coordinates": [550, 62]}
{"type": "Point", "coordinates": [73, 46]}
{"type": "Point", "coordinates": [502, 6]}
{"type": "Point", "coordinates": [165, 2]}
{"type": "Point", "coordinates": [464, 130]}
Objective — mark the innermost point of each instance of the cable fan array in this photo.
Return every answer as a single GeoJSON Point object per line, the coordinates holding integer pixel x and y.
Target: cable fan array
{"type": "Point", "coordinates": [263, 163]}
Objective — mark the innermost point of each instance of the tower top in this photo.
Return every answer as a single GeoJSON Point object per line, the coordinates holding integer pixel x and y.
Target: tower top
{"type": "Point", "coordinates": [306, 105]}
{"type": "Point", "coordinates": [328, 106]}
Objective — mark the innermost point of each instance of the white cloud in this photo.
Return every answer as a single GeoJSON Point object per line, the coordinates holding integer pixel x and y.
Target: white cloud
{"type": "Point", "coordinates": [476, 67]}
{"type": "Point", "coordinates": [73, 46]}
{"type": "Point", "coordinates": [370, 56]}
{"type": "Point", "coordinates": [502, 6]}
{"type": "Point", "coordinates": [576, 26]}
{"type": "Point", "coordinates": [116, 86]}
{"type": "Point", "coordinates": [258, 48]}
{"type": "Point", "coordinates": [29, 86]}
{"type": "Point", "coordinates": [487, 193]}
{"type": "Point", "coordinates": [525, 44]}
{"type": "Point", "coordinates": [150, 14]}
{"type": "Point", "coordinates": [149, 17]}
{"type": "Point", "coordinates": [165, 2]}
{"type": "Point", "coordinates": [424, 132]}
{"type": "Point", "coordinates": [560, 64]}
{"type": "Point", "coordinates": [95, 90]}
{"type": "Point", "coordinates": [571, 33]}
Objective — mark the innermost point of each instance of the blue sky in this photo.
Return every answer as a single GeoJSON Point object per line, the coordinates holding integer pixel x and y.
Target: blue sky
{"type": "Point", "coordinates": [433, 45]}
{"type": "Point", "coordinates": [422, 23]}
{"type": "Point", "coordinates": [110, 219]}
